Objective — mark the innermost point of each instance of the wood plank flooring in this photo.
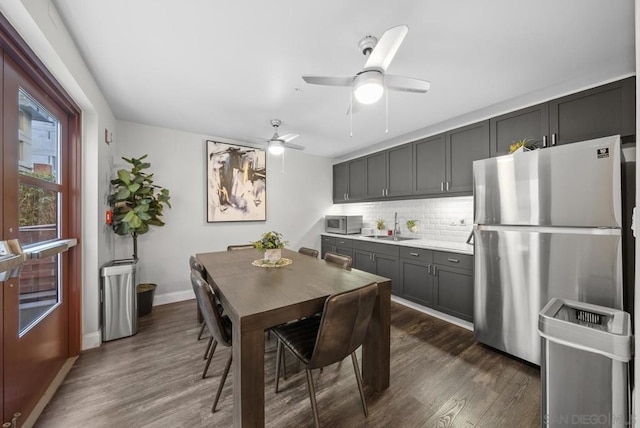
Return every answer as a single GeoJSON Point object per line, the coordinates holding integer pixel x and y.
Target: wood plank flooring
{"type": "Point", "coordinates": [440, 377]}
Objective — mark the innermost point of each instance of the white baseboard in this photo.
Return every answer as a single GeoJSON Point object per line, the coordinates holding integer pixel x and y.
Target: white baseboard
{"type": "Point", "coordinates": [91, 340]}
{"type": "Point", "coordinates": [433, 313]}
{"type": "Point", "coordinates": [177, 296]}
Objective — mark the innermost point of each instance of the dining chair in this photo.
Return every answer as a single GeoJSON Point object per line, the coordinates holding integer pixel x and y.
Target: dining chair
{"type": "Point", "coordinates": [339, 259]}
{"type": "Point", "coordinates": [219, 326]}
{"type": "Point", "coordinates": [319, 341]}
{"type": "Point", "coordinates": [195, 264]}
{"type": "Point", "coordinates": [240, 247]}
{"type": "Point", "coordinates": [308, 251]}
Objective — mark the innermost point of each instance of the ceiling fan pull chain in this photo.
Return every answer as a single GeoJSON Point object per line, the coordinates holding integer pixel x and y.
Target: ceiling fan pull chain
{"type": "Point", "coordinates": [283, 161]}
{"type": "Point", "coordinates": [386, 110]}
{"type": "Point", "coordinates": [351, 114]}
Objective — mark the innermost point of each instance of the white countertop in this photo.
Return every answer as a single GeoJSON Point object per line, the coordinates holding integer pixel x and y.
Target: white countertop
{"type": "Point", "coordinates": [428, 244]}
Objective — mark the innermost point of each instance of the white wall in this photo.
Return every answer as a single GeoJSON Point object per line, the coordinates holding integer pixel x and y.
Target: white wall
{"type": "Point", "coordinates": [297, 200]}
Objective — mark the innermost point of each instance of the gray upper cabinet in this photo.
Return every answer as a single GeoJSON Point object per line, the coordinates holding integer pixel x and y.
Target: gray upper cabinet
{"type": "Point", "coordinates": [400, 171]}
{"type": "Point", "coordinates": [348, 181]}
{"type": "Point", "coordinates": [429, 166]}
{"type": "Point", "coordinates": [340, 182]}
{"type": "Point", "coordinates": [389, 173]}
{"type": "Point", "coordinates": [465, 145]}
{"type": "Point", "coordinates": [531, 123]}
{"type": "Point", "coordinates": [594, 113]}
{"type": "Point", "coordinates": [376, 167]}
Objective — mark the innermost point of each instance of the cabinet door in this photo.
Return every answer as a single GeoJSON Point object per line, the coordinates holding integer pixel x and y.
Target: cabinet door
{"type": "Point", "coordinates": [454, 292]}
{"type": "Point", "coordinates": [340, 180]}
{"type": "Point", "coordinates": [387, 266]}
{"type": "Point", "coordinates": [465, 145]}
{"type": "Point", "coordinates": [417, 282]}
{"type": "Point", "coordinates": [324, 248]}
{"type": "Point", "coordinates": [531, 123]}
{"type": "Point", "coordinates": [356, 186]}
{"type": "Point", "coordinates": [376, 178]}
{"type": "Point", "coordinates": [594, 113]}
{"type": "Point", "coordinates": [400, 171]}
{"type": "Point", "coordinates": [364, 261]}
{"type": "Point", "coordinates": [429, 165]}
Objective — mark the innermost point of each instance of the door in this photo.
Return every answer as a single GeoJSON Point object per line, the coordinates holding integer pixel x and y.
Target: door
{"type": "Point", "coordinates": [36, 211]}
{"type": "Point", "coordinates": [355, 188]}
{"type": "Point", "coordinates": [376, 168]}
{"type": "Point", "coordinates": [340, 176]}
{"type": "Point", "coordinates": [400, 171]}
{"type": "Point", "coordinates": [531, 123]}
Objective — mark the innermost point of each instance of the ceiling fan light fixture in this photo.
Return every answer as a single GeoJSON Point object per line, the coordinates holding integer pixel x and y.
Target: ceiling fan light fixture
{"type": "Point", "coordinates": [276, 147]}
{"type": "Point", "coordinates": [368, 87]}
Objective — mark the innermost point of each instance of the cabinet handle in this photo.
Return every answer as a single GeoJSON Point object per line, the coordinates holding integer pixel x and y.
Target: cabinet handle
{"type": "Point", "coordinates": [374, 257]}
{"type": "Point", "coordinates": [429, 269]}
{"type": "Point", "coordinates": [386, 192]}
{"type": "Point", "coordinates": [453, 260]}
{"type": "Point", "coordinates": [544, 141]}
{"type": "Point", "coordinates": [414, 254]}
{"type": "Point", "coordinates": [442, 186]}
{"type": "Point", "coordinates": [554, 138]}
{"type": "Point", "coordinates": [448, 185]}
{"type": "Point", "coordinates": [435, 270]}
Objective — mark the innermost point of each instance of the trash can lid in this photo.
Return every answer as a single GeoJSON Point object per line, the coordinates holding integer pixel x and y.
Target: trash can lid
{"type": "Point", "coordinates": [118, 267]}
{"type": "Point", "coordinates": [588, 327]}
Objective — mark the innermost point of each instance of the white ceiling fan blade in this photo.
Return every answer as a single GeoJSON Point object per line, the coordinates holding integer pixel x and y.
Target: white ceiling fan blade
{"type": "Point", "coordinates": [329, 80]}
{"type": "Point", "coordinates": [289, 137]}
{"type": "Point", "coordinates": [406, 84]}
{"type": "Point", "coordinates": [355, 107]}
{"type": "Point", "coordinates": [293, 146]}
{"type": "Point", "coordinates": [386, 49]}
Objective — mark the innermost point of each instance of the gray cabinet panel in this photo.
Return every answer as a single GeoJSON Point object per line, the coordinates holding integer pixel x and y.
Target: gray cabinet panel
{"type": "Point", "coordinates": [362, 260]}
{"type": "Point", "coordinates": [326, 248]}
{"type": "Point", "coordinates": [400, 171]}
{"type": "Point", "coordinates": [387, 266]}
{"type": "Point", "coordinates": [454, 292]}
{"type": "Point", "coordinates": [416, 282]}
{"type": "Point", "coordinates": [376, 167]}
{"type": "Point", "coordinates": [340, 182]}
{"type": "Point", "coordinates": [429, 166]}
{"type": "Point", "coordinates": [465, 145]}
{"type": "Point", "coordinates": [356, 180]}
{"type": "Point", "coordinates": [594, 113]}
{"type": "Point", "coordinates": [531, 123]}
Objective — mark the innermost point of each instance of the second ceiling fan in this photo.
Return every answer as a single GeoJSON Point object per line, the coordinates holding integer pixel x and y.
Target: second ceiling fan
{"type": "Point", "coordinates": [369, 84]}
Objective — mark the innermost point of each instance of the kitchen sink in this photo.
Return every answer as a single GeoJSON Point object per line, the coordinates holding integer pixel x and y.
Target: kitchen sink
{"type": "Point", "coordinates": [388, 238]}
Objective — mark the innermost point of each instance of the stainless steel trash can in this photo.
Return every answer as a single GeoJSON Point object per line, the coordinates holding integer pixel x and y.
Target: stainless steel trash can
{"type": "Point", "coordinates": [585, 364]}
{"type": "Point", "coordinates": [119, 308]}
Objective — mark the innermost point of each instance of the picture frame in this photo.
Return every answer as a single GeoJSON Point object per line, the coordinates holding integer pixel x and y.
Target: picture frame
{"type": "Point", "coordinates": [236, 183]}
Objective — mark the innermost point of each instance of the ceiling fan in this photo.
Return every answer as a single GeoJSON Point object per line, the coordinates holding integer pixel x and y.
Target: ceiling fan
{"type": "Point", "coordinates": [277, 143]}
{"type": "Point", "coordinates": [369, 84]}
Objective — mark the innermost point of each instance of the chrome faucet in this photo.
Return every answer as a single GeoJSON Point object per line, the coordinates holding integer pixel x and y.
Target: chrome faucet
{"type": "Point", "coordinates": [396, 230]}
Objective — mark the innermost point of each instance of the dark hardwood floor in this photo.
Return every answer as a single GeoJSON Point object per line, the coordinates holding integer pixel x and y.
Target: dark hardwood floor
{"type": "Point", "coordinates": [440, 377]}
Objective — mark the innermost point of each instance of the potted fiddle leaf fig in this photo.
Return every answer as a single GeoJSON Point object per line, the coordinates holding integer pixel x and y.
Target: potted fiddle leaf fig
{"type": "Point", "coordinates": [136, 204]}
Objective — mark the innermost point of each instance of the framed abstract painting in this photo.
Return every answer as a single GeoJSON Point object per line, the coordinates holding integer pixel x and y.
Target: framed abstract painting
{"type": "Point", "coordinates": [236, 183]}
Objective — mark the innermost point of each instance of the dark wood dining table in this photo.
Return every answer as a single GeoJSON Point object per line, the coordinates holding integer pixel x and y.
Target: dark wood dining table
{"type": "Point", "coordinates": [258, 298]}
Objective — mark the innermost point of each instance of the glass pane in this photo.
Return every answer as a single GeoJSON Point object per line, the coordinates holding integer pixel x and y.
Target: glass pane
{"type": "Point", "coordinates": [39, 290]}
{"type": "Point", "coordinates": [38, 214]}
{"type": "Point", "coordinates": [39, 139]}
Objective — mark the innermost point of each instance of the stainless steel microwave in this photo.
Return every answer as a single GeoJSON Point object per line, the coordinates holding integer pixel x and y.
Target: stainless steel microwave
{"type": "Point", "coordinates": [343, 224]}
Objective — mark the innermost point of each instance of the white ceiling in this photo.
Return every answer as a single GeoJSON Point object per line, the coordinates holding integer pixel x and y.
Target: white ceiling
{"type": "Point", "coordinates": [225, 69]}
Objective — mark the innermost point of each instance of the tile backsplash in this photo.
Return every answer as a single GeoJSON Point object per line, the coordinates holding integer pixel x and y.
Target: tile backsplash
{"type": "Point", "coordinates": [440, 219]}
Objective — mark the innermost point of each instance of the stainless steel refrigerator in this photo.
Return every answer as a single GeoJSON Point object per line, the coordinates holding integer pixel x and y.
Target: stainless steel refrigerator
{"type": "Point", "coordinates": [547, 223]}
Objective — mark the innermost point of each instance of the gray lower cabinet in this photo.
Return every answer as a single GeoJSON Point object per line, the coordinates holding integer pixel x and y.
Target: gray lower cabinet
{"type": "Point", "coordinates": [336, 245]}
{"type": "Point", "coordinates": [327, 244]}
{"type": "Point", "coordinates": [439, 280]}
{"type": "Point", "coordinates": [453, 284]}
{"type": "Point", "coordinates": [415, 275]}
{"type": "Point", "coordinates": [379, 259]}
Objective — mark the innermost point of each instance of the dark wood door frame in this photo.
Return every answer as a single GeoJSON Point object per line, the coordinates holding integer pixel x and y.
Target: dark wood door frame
{"type": "Point", "coordinates": [17, 49]}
